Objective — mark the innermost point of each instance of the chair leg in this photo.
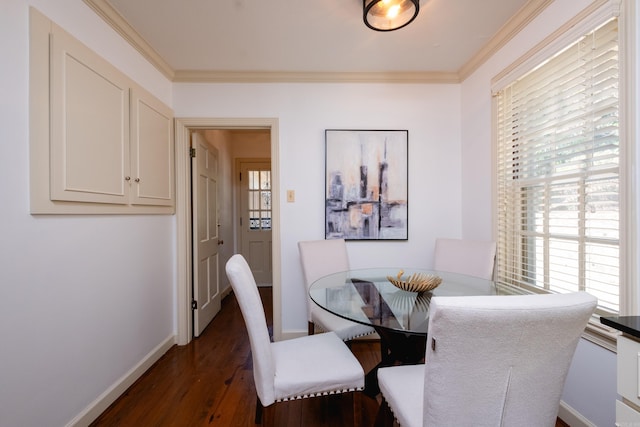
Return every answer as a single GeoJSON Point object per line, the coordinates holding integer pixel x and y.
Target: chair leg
{"type": "Point", "coordinates": [384, 417]}
{"type": "Point", "coordinates": [258, 419]}
{"type": "Point", "coordinates": [269, 416]}
{"type": "Point", "coordinates": [357, 408]}
{"type": "Point", "coordinates": [384, 349]}
{"type": "Point", "coordinates": [311, 328]}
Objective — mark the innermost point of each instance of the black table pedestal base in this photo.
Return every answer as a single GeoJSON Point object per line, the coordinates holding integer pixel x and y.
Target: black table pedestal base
{"type": "Point", "coordinates": [398, 348]}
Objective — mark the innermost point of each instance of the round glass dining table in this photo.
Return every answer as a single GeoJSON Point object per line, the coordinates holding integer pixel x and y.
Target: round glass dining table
{"type": "Point", "coordinates": [399, 317]}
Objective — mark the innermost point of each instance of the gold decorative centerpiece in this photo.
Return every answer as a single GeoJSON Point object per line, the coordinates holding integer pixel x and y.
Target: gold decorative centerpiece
{"type": "Point", "coordinates": [417, 282]}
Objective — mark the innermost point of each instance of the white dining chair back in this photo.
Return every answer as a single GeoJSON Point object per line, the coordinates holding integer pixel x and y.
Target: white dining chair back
{"type": "Point", "coordinates": [320, 258]}
{"type": "Point", "coordinates": [291, 369]}
{"type": "Point", "coordinates": [248, 297]}
{"type": "Point", "coordinates": [490, 361]}
{"type": "Point", "coordinates": [471, 257]}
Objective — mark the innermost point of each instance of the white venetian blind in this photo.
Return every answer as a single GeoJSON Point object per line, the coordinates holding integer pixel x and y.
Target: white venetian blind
{"type": "Point", "coordinates": [558, 172]}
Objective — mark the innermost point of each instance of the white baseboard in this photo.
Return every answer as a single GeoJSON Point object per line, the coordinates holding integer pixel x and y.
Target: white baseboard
{"type": "Point", "coordinates": [98, 406]}
{"type": "Point", "coordinates": [572, 417]}
{"type": "Point", "coordinates": [226, 291]}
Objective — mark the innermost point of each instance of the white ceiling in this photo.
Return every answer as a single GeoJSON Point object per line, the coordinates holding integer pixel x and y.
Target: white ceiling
{"type": "Point", "coordinates": [322, 36]}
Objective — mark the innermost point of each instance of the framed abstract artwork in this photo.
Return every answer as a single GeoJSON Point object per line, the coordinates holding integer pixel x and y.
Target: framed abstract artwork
{"type": "Point", "coordinates": [366, 182]}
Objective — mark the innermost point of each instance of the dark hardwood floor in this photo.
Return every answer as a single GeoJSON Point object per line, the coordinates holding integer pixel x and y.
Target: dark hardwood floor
{"type": "Point", "coordinates": [210, 382]}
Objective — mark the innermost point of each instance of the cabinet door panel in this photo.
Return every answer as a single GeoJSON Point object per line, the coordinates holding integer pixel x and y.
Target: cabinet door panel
{"type": "Point", "coordinates": [628, 369]}
{"type": "Point", "coordinates": [626, 415]}
{"type": "Point", "coordinates": [152, 151]}
{"type": "Point", "coordinates": [89, 122]}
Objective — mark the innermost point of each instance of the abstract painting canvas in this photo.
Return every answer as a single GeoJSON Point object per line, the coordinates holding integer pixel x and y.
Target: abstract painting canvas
{"type": "Point", "coordinates": [366, 195]}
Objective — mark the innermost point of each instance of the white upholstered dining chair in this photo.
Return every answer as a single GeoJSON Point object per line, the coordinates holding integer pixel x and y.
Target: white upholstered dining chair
{"type": "Point", "coordinates": [320, 258]}
{"type": "Point", "coordinates": [490, 361]}
{"type": "Point", "coordinates": [291, 369]}
{"type": "Point", "coordinates": [471, 257]}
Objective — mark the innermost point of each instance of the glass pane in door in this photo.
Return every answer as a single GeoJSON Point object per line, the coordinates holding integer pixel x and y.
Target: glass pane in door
{"type": "Point", "coordinates": [259, 197]}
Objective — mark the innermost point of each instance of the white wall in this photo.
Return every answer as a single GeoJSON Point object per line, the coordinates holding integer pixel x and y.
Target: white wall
{"type": "Point", "coordinates": [83, 299]}
{"type": "Point", "coordinates": [591, 384]}
{"type": "Point", "coordinates": [431, 113]}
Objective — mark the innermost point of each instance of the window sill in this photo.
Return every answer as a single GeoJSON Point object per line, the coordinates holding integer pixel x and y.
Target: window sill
{"type": "Point", "coordinates": [601, 335]}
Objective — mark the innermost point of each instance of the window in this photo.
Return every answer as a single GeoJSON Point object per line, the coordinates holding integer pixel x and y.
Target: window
{"type": "Point", "coordinates": [259, 202]}
{"type": "Point", "coordinates": [558, 172]}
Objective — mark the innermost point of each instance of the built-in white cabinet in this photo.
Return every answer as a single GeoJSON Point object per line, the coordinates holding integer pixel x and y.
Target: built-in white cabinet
{"type": "Point", "coordinates": [89, 125]}
{"type": "Point", "coordinates": [109, 144]}
{"type": "Point", "coordinates": [628, 380]}
{"type": "Point", "coordinates": [152, 152]}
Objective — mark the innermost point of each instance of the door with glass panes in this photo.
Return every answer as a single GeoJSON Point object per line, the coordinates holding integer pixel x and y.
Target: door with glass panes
{"type": "Point", "coordinates": [255, 218]}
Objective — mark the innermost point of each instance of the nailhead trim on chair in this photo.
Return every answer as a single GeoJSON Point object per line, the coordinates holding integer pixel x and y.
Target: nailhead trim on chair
{"type": "Point", "coordinates": [325, 393]}
{"type": "Point", "coordinates": [320, 328]}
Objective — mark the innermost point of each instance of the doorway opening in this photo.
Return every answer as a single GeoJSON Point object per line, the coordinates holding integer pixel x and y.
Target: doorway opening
{"type": "Point", "coordinates": [254, 207]}
{"type": "Point", "coordinates": [184, 127]}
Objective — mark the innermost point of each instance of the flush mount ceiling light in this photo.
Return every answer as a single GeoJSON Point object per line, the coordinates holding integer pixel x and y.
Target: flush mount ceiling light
{"type": "Point", "coordinates": [389, 15]}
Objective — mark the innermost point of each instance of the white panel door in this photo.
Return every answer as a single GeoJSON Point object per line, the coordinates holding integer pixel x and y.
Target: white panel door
{"type": "Point", "coordinates": [206, 290]}
{"type": "Point", "coordinates": [255, 218]}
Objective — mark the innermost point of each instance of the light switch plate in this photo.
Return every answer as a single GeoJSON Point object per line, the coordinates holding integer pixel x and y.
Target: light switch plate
{"type": "Point", "coordinates": [291, 196]}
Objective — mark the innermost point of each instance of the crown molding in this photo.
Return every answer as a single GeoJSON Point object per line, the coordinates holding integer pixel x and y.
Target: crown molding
{"type": "Point", "coordinates": [197, 76]}
{"type": "Point", "coordinates": [122, 27]}
{"type": "Point", "coordinates": [520, 20]}
{"type": "Point", "coordinates": [525, 15]}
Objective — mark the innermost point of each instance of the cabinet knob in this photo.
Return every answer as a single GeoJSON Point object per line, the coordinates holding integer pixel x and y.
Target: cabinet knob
{"type": "Point", "coordinates": [127, 178]}
{"type": "Point", "coordinates": [137, 179]}
{"type": "Point", "coordinates": [220, 242]}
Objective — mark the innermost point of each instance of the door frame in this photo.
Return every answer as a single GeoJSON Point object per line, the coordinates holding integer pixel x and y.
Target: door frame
{"type": "Point", "coordinates": [184, 255]}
